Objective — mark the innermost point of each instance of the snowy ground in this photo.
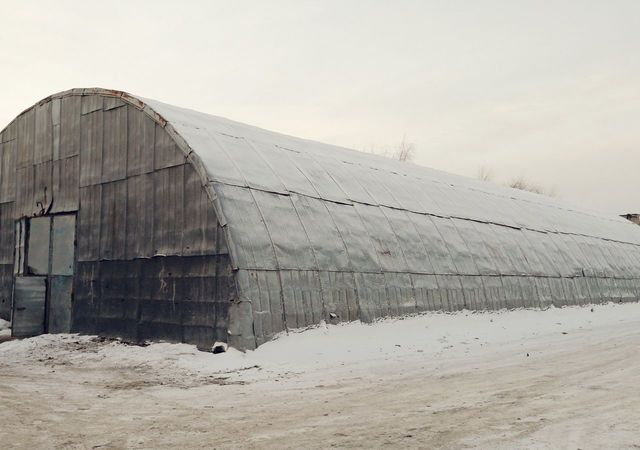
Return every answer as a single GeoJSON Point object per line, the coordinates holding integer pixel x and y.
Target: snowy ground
{"type": "Point", "coordinates": [560, 378]}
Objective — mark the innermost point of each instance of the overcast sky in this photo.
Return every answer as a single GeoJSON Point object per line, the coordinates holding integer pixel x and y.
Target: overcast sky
{"type": "Point", "coordinates": [547, 89]}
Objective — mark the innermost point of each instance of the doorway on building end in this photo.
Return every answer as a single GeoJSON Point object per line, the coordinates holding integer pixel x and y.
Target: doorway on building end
{"type": "Point", "coordinates": [43, 275]}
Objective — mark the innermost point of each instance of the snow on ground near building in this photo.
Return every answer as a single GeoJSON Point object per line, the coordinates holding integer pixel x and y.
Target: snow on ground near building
{"type": "Point", "coordinates": [5, 328]}
{"type": "Point", "coordinates": [564, 377]}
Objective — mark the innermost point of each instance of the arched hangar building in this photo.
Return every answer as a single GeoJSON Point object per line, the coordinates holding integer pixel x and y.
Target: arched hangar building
{"type": "Point", "coordinates": [129, 217]}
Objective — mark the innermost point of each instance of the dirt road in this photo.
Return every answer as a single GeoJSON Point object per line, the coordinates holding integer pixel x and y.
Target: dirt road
{"type": "Point", "coordinates": [570, 384]}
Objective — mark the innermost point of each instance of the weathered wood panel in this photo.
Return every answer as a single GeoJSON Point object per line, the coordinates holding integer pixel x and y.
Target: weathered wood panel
{"type": "Point", "coordinates": [140, 216]}
{"type": "Point", "coordinates": [24, 191]}
{"type": "Point", "coordinates": [199, 232]}
{"type": "Point", "coordinates": [112, 103]}
{"type": "Point", "coordinates": [6, 233]}
{"type": "Point", "coordinates": [66, 179]}
{"type": "Point", "coordinates": [8, 171]}
{"type": "Point", "coordinates": [70, 134]}
{"type": "Point", "coordinates": [43, 149]}
{"type": "Point", "coordinates": [43, 187]}
{"type": "Point", "coordinates": [114, 160]}
{"type": "Point", "coordinates": [113, 220]}
{"type": "Point", "coordinates": [56, 106]}
{"type": "Point", "coordinates": [167, 153]}
{"type": "Point", "coordinates": [26, 138]}
{"type": "Point", "coordinates": [89, 223]}
{"type": "Point", "coordinates": [91, 150]}
{"type": "Point", "coordinates": [10, 132]}
{"type": "Point", "coordinates": [92, 103]}
{"type": "Point", "coordinates": [141, 136]}
{"type": "Point", "coordinates": [168, 221]}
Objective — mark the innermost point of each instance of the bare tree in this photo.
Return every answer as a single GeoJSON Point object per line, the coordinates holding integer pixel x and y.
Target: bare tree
{"type": "Point", "coordinates": [485, 173]}
{"type": "Point", "coordinates": [405, 151]}
{"type": "Point", "coordinates": [525, 185]}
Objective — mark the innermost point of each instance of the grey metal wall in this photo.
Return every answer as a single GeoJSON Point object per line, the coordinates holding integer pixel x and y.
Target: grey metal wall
{"type": "Point", "coordinates": [319, 232]}
{"type": "Point", "coordinates": [151, 260]}
{"type": "Point", "coordinates": [179, 209]}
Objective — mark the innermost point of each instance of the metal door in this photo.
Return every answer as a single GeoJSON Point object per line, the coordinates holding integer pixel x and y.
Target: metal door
{"type": "Point", "coordinates": [43, 284]}
{"type": "Point", "coordinates": [63, 236]}
{"type": "Point", "coordinates": [29, 298]}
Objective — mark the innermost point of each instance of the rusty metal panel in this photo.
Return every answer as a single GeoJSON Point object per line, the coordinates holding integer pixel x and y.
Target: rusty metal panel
{"type": "Point", "coordinates": [66, 179]}
{"type": "Point", "coordinates": [70, 134]}
{"type": "Point", "coordinates": [43, 187]}
{"type": "Point", "coordinates": [25, 204]}
{"type": "Point", "coordinates": [114, 152]}
{"type": "Point", "coordinates": [89, 217]}
{"type": "Point", "coordinates": [43, 149]}
{"type": "Point", "coordinates": [8, 171]}
{"type": "Point", "coordinates": [38, 245]}
{"type": "Point", "coordinates": [139, 216]}
{"type": "Point", "coordinates": [141, 142]}
{"type": "Point", "coordinates": [168, 210]}
{"type": "Point", "coordinates": [372, 297]}
{"type": "Point", "coordinates": [113, 220]}
{"type": "Point", "coordinates": [167, 153]}
{"type": "Point", "coordinates": [200, 228]}
{"type": "Point", "coordinates": [92, 103]}
{"type": "Point", "coordinates": [91, 148]}
{"type": "Point", "coordinates": [26, 138]}
{"type": "Point", "coordinates": [290, 242]}
{"type": "Point", "coordinates": [427, 293]}
{"type": "Point", "coordinates": [63, 244]}
{"type": "Point", "coordinates": [339, 295]}
{"type": "Point", "coordinates": [29, 306]}
{"type": "Point", "coordinates": [302, 298]}
{"type": "Point", "coordinates": [7, 239]}
{"type": "Point", "coordinates": [59, 307]}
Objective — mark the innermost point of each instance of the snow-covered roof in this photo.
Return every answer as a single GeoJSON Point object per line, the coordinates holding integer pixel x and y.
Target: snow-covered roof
{"type": "Point", "coordinates": [298, 204]}
{"type": "Point", "coordinates": [291, 203]}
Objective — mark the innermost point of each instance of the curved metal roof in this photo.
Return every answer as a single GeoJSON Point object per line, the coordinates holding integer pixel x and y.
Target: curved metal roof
{"type": "Point", "coordinates": [291, 203]}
